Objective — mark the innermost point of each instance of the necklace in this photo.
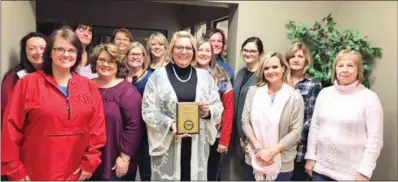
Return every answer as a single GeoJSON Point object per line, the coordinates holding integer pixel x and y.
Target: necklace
{"type": "Point", "coordinates": [179, 79]}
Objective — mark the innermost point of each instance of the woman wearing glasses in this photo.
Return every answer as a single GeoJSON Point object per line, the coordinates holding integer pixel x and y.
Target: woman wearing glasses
{"type": "Point", "coordinates": [137, 63]}
{"type": "Point", "coordinates": [252, 51]}
{"type": "Point", "coordinates": [54, 125]}
{"type": "Point", "coordinates": [122, 104]}
{"type": "Point", "coordinates": [180, 156]}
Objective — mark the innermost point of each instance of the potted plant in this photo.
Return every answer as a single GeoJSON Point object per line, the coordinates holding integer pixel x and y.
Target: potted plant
{"type": "Point", "coordinates": [325, 41]}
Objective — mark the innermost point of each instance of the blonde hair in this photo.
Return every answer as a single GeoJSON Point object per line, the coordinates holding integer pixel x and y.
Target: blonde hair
{"type": "Point", "coordinates": [219, 73]}
{"type": "Point", "coordinates": [159, 37]}
{"type": "Point", "coordinates": [182, 34]}
{"type": "Point", "coordinates": [261, 81]}
{"type": "Point", "coordinates": [145, 54]}
{"type": "Point", "coordinates": [306, 51]}
{"type": "Point", "coordinates": [115, 54]}
{"type": "Point", "coordinates": [358, 61]}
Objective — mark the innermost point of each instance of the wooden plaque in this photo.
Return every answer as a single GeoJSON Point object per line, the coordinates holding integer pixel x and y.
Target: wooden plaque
{"type": "Point", "coordinates": [188, 118]}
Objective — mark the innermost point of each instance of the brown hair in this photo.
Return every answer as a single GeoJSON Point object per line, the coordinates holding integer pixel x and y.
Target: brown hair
{"type": "Point", "coordinates": [307, 54]}
{"type": "Point", "coordinates": [115, 53]}
{"type": "Point", "coordinates": [358, 61]}
{"type": "Point", "coordinates": [67, 34]}
{"type": "Point", "coordinates": [261, 81]}
{"type": "Point", "coordinates": [123, 30]}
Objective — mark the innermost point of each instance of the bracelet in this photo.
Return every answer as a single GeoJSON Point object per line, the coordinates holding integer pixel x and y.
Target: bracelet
{"type": "Point", "coordinates": [258, 149]}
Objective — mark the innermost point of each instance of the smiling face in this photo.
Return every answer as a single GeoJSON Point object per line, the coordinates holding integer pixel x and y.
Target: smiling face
{"type": "Point", "coordinates": [106, 66]}
{"type": "Point", "coordinates": [217, 43]}
{"type": "Point", "coordinates": [250, 53]}
{"type": "Point", "coordinates": [135, 58]}
{"type": "Point", "coordinates": [34, 50]}
{"type": "Point", "coordinates": [298, 61]}
{"type": "Point", "coordinates": [273, 70]}
{"type": "Point", "coordinates": [347, 70]}
{"type": "Point", "coordinates": [204, 54]}
{"type": "Point", "coordinates": [122, 41]}
{"type": "Point", "coordinates": [183, 52]}
{"type": "Point", "coordinates": [85, 34]}
{"type": "Point", "coordinates": [157, 48]}
{"type": "Point", "coordinates": [64, 54]}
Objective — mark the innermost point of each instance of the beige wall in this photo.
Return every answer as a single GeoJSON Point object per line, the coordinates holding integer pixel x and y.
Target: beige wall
{"type": "Point", "coordinates": [267, 19]}
{"type": "Point", "coordinates": [378, 21]}
{"type": "Point", "coordinates": [17, 19]}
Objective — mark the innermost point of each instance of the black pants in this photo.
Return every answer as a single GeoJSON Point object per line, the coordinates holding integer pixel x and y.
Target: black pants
{"type": "Point", "coordinates": [299, 173]}
{"type": "Point", "coordinates": [4, 178]}
{"type": "Point", "coordinates": [144, 160]}
{"type": "Point", "coordinates": [213, 163]}
{"type": "Point", "coordinates": [186, 145]}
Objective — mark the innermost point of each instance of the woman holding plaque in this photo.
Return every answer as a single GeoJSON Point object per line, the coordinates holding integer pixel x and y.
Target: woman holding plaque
{"type": "Point", "coordinates": [176, 155]}
{"type": "Point", "coordinates": [272, 119]}
{"type": "Point", "coordinates": [206, 60]}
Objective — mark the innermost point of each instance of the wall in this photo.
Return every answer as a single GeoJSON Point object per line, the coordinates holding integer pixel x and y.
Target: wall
{"type": "Point", "coordinates": [378, 21]}
{"type": "Point", "coordinates": [17, 19]}
{"type": "Point", "coordinates": [267, 19]}
{"type": "Point", "coordinates": [132, 14]}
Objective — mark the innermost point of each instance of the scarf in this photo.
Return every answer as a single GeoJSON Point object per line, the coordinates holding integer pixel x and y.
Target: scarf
{"type": "Point", "coordinates": [265, 117]}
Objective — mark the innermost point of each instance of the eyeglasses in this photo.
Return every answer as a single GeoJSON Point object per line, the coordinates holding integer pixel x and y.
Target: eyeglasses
{"type": "Point", "coordinates": [61, 50]}
{"type": "Point", "coordinates": [181, 48]}
{"type": "Point", "coordinates": [103, 61]}
{"type": "Point", "coordinates": [245, 51]}
{"type": "Point", "coordinates": [136, 54]}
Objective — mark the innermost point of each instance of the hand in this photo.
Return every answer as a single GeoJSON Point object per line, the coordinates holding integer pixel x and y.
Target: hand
{"type": "Point", "coordinates": [361, 177]}
{"type": "Point", "coordinates": [309, 166]}
{"type": "Point", "coordinates": [26, 178]}
{"type": "Point", "coordinates": [174, 128]}
{"type": "Point", "coordinates": [204, 109]}
{"type": "Point", "coordinates": [121, 167]}
{"type": "Point", "coordinates": [83, 174]}
{"type": "Point", "coordinates": [266, 155]}
{"type": "Point", "coordinates": [222, 149]}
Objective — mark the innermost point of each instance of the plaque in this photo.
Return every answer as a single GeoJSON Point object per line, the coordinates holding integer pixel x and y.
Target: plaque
{"type": "Point", "coordinates": [187, 118]}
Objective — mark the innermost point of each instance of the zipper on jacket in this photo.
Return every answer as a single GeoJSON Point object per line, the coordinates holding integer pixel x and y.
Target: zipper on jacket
{"type": "Point", "coordinates": [67, 100]}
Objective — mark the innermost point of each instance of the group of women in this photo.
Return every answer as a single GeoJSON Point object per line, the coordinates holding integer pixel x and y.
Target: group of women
{"type": "Point", "coordinates": [72, 115]}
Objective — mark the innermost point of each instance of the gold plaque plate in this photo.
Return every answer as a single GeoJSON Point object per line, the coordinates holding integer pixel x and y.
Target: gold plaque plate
{"type": "Point", "coordinates": [188, 118]}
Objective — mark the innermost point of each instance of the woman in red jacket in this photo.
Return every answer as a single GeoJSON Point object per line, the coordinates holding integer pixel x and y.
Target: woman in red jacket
{"type": "Point", "coordinates": [31, 60]}
{"type": "Point", "coordinates": [206, 60]}
{"type": "Point", "coordinates": [54, 125]}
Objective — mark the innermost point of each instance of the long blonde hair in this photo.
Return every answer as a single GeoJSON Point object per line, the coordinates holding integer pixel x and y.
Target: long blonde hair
{"type": "Point", "coordinates": [159, 37]}
{"type": "Point", "coordinates": [217, 72]}
{"type": "Point", "coordinates": [306, 51]}
{"type": "Point", "coordinates": [261, 81]}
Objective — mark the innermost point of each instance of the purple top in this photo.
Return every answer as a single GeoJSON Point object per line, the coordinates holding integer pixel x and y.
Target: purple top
{"type": "Point", "coordinates": [122, 106]}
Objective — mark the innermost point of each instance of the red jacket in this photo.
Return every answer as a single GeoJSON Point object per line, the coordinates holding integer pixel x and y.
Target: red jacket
{"type": "Point", "coordinates": [46, 135]}
{"type": "Point", "coordinates": [8, 84]}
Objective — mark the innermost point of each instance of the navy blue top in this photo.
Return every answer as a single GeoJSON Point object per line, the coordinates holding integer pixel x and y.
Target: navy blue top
{"type": "Point", "coordinates": [140, 85]}
{"type": "Point", "coordinates": [227, 68]}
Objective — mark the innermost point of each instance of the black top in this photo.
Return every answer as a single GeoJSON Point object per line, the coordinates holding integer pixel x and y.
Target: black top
{"type": "Point", "coordinates": [246, 77]}
{"type": "Point", "coordinates": [185, 91]}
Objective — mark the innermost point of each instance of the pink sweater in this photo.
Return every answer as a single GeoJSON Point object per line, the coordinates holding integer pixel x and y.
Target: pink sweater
{"type": "Point", "coordinates": [346, 132]}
